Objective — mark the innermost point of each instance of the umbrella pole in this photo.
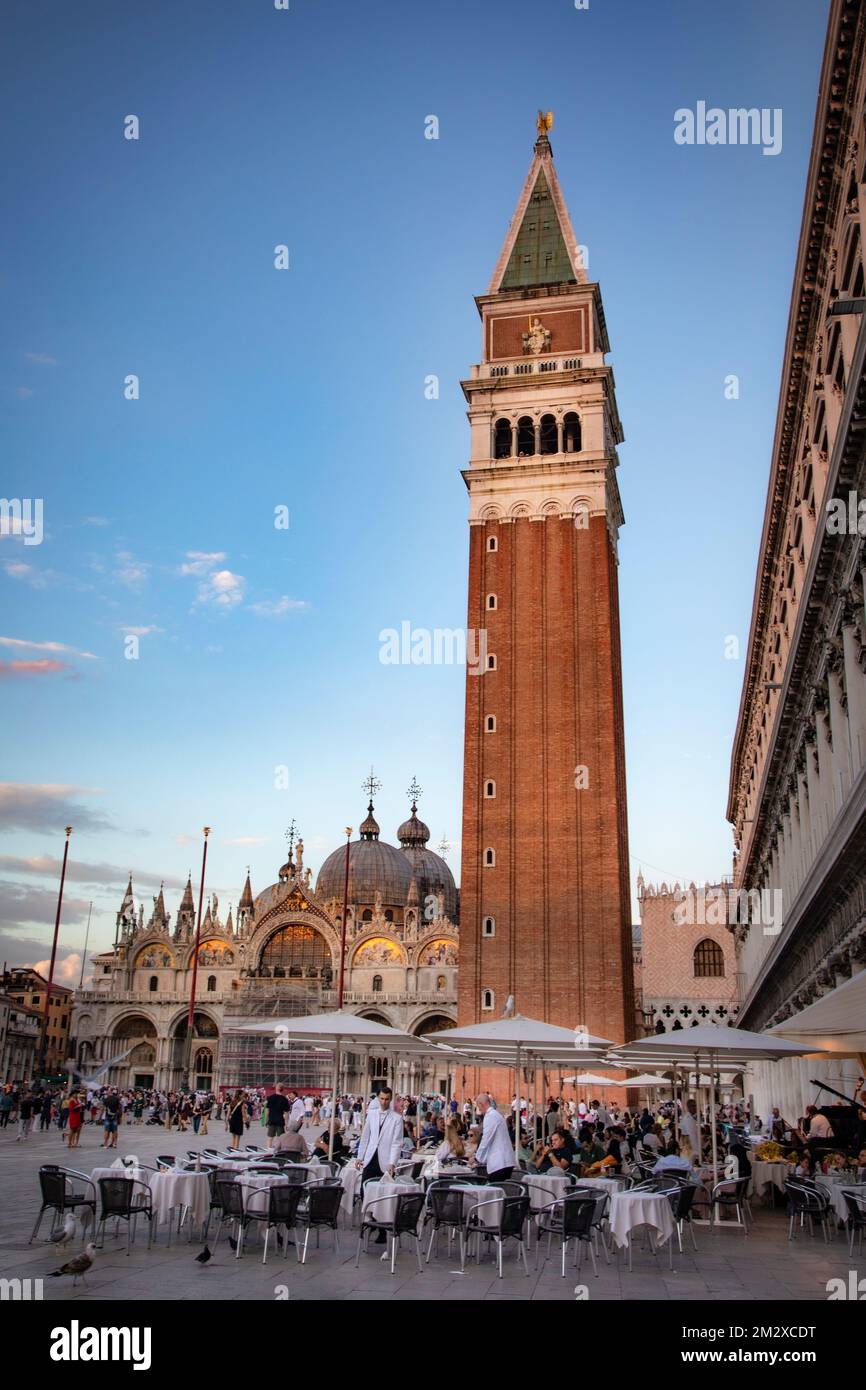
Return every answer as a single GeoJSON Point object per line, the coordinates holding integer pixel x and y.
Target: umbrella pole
{"type": "Point", "coordinates": [334, 1102]}
{"type": "Point", "coordinates": [713, 1118]}
{"type": "Point", "coordinates": [517, 1112]}
{"type": "Point", "coordinates": [676, 1111]}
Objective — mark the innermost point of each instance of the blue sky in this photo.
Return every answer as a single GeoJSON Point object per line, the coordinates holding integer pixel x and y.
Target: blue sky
{"type": "Point", "coordinates": [305, 388]}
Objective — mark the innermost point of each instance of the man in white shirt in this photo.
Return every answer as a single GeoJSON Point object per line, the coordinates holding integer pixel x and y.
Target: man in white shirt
{"type": "Point", "coordinates": [689, 1127]}
{"type": "Point", "coordinates": [381, 1144]}
{"type": "Point", "coordinates": [494, 1150]}
{"type": "Point", "coordinates": [296, 1114]}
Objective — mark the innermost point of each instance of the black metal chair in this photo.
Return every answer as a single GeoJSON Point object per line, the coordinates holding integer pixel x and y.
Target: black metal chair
{"type": "Point", "coordinates": [512, 1219]}
{"type": "Point", "coordinates": [807, 1203]}
{"type": "Point", "coordinates": [730, 1194]}
{"type": "Point", "coordinates": [124, 1199]}
{"type": "Point", "coordinates": [216, 1176]}
{"type": "Point", "coordinates": [281, 1210]}
{"type": "Point", "coordinates": [569, 1218]}
{"type": "Point", "coordinates": [856, 1222]}
{"type": "Point", "coordinates": [254, 1149]}
{"type": "Point", "coordinates": [682, 1202]}
{"type": "Point", "coordinates": [59, 1195]}
{"type": "Point", "coordinates": [444, 1211]}
{"type": "Point", "coordinates": [602, 1200]}
{"type": "Point", "coordinates": [320, 1211]}
{"type": "Point", "coordinates": [407, 1219]}
{"type": "Point", "coordinates": [166, 1160]}
{"type": "Point", "coordinates": [230, 1203]}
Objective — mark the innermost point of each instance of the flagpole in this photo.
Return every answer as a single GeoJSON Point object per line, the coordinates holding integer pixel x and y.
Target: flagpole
{"type": "Point", "coordinates": [44, 1045]}
{"type": "Point", "coordinates": [86, 939]}
{"type": "Point", "coordinates": [191, 1015]}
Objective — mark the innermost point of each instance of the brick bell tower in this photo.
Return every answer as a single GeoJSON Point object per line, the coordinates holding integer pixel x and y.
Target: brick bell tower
{"type": "Point", "coordinates": [545, 903]}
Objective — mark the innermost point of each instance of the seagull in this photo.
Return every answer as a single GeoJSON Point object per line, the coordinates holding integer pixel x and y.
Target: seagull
{"type": "Point", "coordinates": [77, 1267]}
{"type": "Point", "coordinates": [205, 1255]}
{"type": "Point", "coordinates": [68, 1233]}
{"type": "Point", "coordinates": [508, 1011]}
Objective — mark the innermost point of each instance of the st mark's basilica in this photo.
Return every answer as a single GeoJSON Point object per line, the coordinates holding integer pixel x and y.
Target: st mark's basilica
{"type": "Point", "coordinates": [279, 955]}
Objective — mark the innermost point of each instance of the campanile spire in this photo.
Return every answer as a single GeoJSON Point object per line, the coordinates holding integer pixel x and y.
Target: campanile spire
{"type": "Point", "coordinates": [545, 905]}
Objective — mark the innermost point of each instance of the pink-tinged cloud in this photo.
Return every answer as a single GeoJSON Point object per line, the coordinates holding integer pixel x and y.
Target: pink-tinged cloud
{"type": "Point", "coordinates": [23, 669]}
{"type": "Point", "coordinates": [22, 644]}
{"type": "Point", "coordinates": [47, 806]}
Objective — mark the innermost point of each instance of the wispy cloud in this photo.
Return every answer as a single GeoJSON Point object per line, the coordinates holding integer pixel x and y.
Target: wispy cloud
{"type": "Point", "coordinates": [47, 806]}
{"type": "Point", "coordinates": [106, 876]}
{"type": "Point", "coordinates": [276, 608]}
{"type": "Point", "coordinates": [201, 561]}
{"type": "Point", "coordinates": [130, 571]}
{"type": "Point", "coordinates": [26, 902]}
{"type": "Point", "coordinates": [24, 393]}
{"type": "Point", "coordinates": [23, 644]}
{"type": "Point", "coordinates": [28, 574]}
{"type": "Point", "coordinates": [131, 630]}
{"type": "Point", "coordinates": [41, 359]}
{"type": "Point", "coordinates": [11, 670]}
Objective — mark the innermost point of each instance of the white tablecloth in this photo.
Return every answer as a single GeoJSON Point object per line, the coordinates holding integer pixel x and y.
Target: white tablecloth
{"type": "Point", "coordinates": [139, 1174]}
{"type": "Point", "coordinates": [474, 1195]}
{"type": "Point", "coordinates": [386, 1187]}
{"type": "Point", "coordinates": [631, 1209]}
{"type": "Point", "coordinates": [544, 1188]}
{"type": "Point", "coordinates": [256, 1187]}
{"type": "Point", "coordinates": [769, 1174]}
{"type": "Point", "coordinates": [611, 1185]}
{"type": "Point", "coordinates": [171, 1190]}
{"type": "Point", "coordinates": [835, 1189]}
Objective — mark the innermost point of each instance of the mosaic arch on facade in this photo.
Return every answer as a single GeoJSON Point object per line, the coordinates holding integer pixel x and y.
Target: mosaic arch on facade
{"type": "Point", "coordinates": [440, 951]}
{"type": "Point", "coordinates": [378, 950]}
{"type": "Point", "coordinates": [155, 956]}
{"type": "Point", "coordinates": [216, 952]}
{"type": "Point", "coordinates": [295, 950]}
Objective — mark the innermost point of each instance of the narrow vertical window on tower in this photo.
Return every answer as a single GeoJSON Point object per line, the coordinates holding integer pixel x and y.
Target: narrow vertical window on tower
{"type": "Point", "coordinates": [492, 543]}
{"type": "Point", "coordinates": [490, 724]}
{"type": "Point", "coordinates": [487, 1000]}
{"type": "Point", "coordinates": [489, 858]}
{"type": "Point", "coordinates": [489, 926]}
{"type": "Point", "coordinates": [489, 790]}
{"type": "Point", "coordinates": [571, 443]}
{"type": "Point", "coordinates": [491, 662]}
{"type": "Point", "coordinates": [549, 434]}
{"type": "Point", "coordinates": [502, 439]}
{"type": "Point", "coordinates": [525, 436]}
{"type": "Point", "coordinates": [491, 601]}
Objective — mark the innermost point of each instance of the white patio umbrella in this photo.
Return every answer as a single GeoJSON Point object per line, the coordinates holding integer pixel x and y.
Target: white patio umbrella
{"type": "Point", "coordinates": [338, 1032]}
{"type": "Point", "coordinates": [515, 1042]}
{"type": "Point", "coordinates": [710, 1047]}
{"type": "Point", "coordinates": [588, 1078]}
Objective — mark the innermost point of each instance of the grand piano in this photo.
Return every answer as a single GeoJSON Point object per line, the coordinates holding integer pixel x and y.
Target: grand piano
{"type": "Point", "coordinates": [848, 1122]}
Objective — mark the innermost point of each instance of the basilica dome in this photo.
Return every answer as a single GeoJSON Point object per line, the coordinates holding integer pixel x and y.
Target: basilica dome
{"type": "Point", "coordinates": [429, 870]}
{"type": "Point", "coordinates": [374, 867]}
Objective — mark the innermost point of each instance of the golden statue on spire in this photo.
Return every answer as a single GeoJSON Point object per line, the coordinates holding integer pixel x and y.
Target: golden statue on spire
{"type": "Point", "coordinates": [544, 122]}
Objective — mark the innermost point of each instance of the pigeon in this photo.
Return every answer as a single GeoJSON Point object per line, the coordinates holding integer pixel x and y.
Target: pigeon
{"type": "Point", "coordinates": [65, 1236]}
{"type": "Point", "coordinates": [205, 1255]}
{"type": "Point", "coordinates": [233, 1243]}
{"type": "Point", "coordinates": [77, 1267]}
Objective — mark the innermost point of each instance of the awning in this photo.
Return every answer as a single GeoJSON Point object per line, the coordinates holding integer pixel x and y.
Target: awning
{"type": "Point", "coordinates": [835, 1023]}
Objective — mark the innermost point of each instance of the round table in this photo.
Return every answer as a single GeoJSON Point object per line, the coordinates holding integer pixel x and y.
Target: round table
{"type": "Point", "coordinates": [255, 1188]}
{"type": "Point", "coordinates": [170, 1190]}
{"type": "Point", "coordinates": [629, 1210]}
{"type": "Point", "coordinates": [474, 1195]}
{"type": "Point", "coordinates": [835, 1188]}
{"type": "Point", "coordinates": [767, 1174]}
{"type": "Point", "coordinates": [386, 1187]}
{"type": "Point", "coordinates": [544, 1188]}
{"type": "Point", "coordinates": [142, 1175]}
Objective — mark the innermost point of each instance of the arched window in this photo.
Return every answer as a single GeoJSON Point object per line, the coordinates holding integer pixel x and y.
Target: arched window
{"type": "Point", "coordinates": [211, 984]}
{"type": "Point", "coordinates": [525, 435]}
{"type": "Point", "coordinates": [489, 927]}
{"type": "Point", "coordinates": [709, 958]}
{"type": "Point", "coordinates": [502, 439]}
{"type": "Point", "coordinates": [153, 984]}
{"type": "Point", "coordinates": [660, 1027]}
{"type": "Point", "coordinates": [491, 601]}
{"type": "Point", "coordinates": [489, 790]}
{"type": "Point", "coordinates": [491, 662]}
{"type": "Point", "coordinates": [487, 999]}
{"type": "Point", "coordinates": [492, 543]}
{"type": "Point", "coordinates": [367, 915]}
{"type": "Point", "coordinates": [489, 857]}
{"type": "Point", "coordinates": [549, 435]}
{"type": "Point", "coordinates": [377, 984]}
{"type": "Point", "coordinates": [490, 724]}
{"type": "Point", "coordinates": [571, 443]}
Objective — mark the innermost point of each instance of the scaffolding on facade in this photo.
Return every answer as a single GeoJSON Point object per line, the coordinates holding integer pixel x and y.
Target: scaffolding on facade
{"type": "Point", "coordinates": [252, 1060]}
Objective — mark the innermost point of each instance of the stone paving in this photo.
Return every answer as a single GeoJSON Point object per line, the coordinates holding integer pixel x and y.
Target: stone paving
{"type": "Point", "coordinates": [726, 1266]}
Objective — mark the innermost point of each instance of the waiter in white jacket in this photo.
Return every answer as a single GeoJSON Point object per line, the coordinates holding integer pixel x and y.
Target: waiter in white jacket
{"type": "Point", "coordinates": [495, 1150]}
{"type": "Point", "coordinates": [380, 1144]}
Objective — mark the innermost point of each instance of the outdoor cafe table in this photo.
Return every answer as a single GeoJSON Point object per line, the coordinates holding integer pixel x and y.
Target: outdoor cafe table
{"type": "Point", "coordinates": [386, 1187]}
{"type": "Point", "coordinates": [769, 1174]}
{"type": "Point", "coordinates": [138, 1174]}
{"type": "Point", "coordinates": [255, 1188]}
{"type": "Point", "coordinates": [474, 1195]}
{"type": "Point", "coordinates": [169, 1190]}
{"type": "Point", "coordinates": [544, 1188]}
{"type": "Point", "coordinates": [628, 1210]}
{"type": "Point", "coordinates": [835, 1186]}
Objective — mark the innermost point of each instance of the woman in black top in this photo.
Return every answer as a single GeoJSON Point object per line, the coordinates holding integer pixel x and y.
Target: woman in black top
{"type": "Point", "coordinates": [237, 1116]}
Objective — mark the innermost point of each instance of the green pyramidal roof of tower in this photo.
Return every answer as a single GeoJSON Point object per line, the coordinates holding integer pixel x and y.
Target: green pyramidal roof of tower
{"type": "Point", "coordinates": [539, 255]}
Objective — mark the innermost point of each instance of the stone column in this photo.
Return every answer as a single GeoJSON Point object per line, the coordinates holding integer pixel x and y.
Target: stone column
{"type": "Point", "coordinates": [559, 441]}
{"type": "Point", "coordinates": [839, 726]}
{"type": "Point", "coordinates": [855, 684]}
{"type": "Point", "coordinates": [514, 440]}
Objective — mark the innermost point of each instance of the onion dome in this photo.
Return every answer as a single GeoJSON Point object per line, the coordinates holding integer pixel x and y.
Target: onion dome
{"type": "Point", "coordinates": [413, 831]}
{"type": "Point", "coordinates": [374, 867]}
